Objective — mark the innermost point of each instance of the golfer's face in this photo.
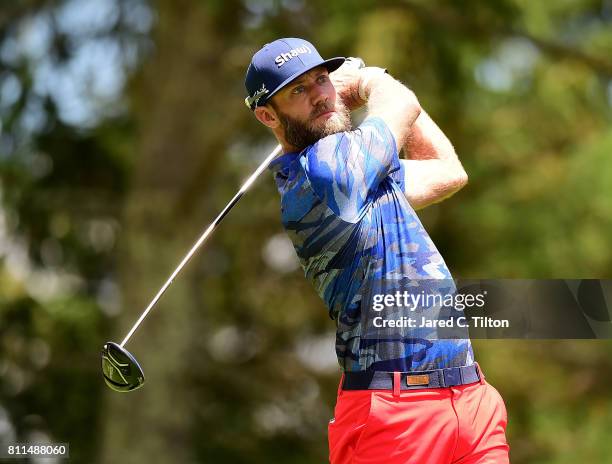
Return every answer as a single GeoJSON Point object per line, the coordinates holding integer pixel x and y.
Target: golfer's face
{"type": "Point", "coordinates": [311, 98]}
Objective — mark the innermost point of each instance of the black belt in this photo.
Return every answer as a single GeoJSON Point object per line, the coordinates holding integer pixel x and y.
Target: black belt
{"type": "Point", "coordinates": [437, 378]}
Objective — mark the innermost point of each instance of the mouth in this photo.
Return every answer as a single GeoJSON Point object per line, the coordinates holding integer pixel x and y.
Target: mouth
{"type": "Point", "coordinates": [326, 114]}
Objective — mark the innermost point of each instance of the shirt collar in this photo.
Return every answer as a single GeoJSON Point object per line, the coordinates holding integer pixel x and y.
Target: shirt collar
{"type": "Point", "coordinates": [283, 162]}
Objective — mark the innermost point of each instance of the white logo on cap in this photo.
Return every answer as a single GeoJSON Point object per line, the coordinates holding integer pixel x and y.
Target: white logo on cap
{"type": "Point", "coordinates": [285, 57]}
{"type": "Point", "coordinates": [254, 99]}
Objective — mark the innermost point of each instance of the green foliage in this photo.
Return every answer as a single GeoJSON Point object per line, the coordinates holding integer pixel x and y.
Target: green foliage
{"type": "Point", "coordinates": [98, 205]}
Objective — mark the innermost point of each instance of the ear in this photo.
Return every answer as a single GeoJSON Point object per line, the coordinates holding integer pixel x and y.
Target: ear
{"type": "Point", "coordinates": [267, 116]}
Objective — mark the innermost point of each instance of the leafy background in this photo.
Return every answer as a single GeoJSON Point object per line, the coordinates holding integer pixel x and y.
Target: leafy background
{"type": "Point", "coordinates": [123, 132]}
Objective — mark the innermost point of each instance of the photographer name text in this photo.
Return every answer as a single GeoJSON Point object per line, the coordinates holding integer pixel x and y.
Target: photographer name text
{"type": "Point", "coordinates": [424, 322]}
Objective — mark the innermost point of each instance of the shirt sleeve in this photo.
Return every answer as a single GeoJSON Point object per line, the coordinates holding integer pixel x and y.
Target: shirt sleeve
{"type": "Point", "coordinates": [346, 169]}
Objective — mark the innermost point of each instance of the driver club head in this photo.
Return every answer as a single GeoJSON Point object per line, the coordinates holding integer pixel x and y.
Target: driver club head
{"type": "Point", "coordinates": [120, 369]}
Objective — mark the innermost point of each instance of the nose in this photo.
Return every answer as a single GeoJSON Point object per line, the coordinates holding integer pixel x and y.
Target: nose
{"type": "Point", "coordinates": [319, 95]}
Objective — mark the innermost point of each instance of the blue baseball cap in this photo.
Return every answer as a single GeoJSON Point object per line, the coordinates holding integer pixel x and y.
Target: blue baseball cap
{"type": "Point", "coordinates": [277, 64]}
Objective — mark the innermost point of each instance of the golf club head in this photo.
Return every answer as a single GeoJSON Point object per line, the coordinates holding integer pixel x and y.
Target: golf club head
{"type": "Point", "coordinates": [120, 369]}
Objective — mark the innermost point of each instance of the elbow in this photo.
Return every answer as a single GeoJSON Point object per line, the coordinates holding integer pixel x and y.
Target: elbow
{"type": "Point", "coordinates": [461, 179]}
{"type": "Point", "coordinates": [456, 180]}
{"type": "Point", "coordinates": [446, 185]}
{"type": "Point", "coordinates": [413, 107]}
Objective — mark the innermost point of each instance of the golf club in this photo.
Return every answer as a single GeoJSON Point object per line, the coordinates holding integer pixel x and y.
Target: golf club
{"type": "Point", "coordinates": [120, 369]}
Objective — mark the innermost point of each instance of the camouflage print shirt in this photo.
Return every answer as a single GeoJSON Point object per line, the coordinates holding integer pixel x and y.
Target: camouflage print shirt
{"type": "Point", "coordinates": [356, 235]}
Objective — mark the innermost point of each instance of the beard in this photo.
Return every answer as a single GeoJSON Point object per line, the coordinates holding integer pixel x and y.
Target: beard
{"type": "Point", "coordinates": [302, 134]}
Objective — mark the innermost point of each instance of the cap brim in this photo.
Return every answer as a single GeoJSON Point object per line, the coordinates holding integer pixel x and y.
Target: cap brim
{"type": "Point", "coordinates": [332, 64]}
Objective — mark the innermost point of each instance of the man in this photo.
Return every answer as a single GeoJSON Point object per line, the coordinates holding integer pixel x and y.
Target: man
{"type": "Point", "coordinates": [406, 395]}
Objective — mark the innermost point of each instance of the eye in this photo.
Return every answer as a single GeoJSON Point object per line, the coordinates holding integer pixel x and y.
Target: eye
{"type": "Point", "coordinates": [297, 90]}
{"type": "Point", "coordinates": [322, 78]}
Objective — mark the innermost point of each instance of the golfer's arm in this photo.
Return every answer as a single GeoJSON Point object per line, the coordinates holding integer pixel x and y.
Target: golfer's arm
{"type": "Point", "coordinates": [433, 171]}
{"type": "Point", "coordinates": [430, 181]}
{"type": "Point", "coordinates": [395, 104]}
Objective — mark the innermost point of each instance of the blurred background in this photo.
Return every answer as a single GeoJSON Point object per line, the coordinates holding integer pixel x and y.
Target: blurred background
{"type": "Point", "coordinates": [123, 132]}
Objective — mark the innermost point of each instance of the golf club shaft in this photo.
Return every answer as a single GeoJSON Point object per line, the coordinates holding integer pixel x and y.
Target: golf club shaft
{"type": "Point", "coordinates": [201, 240]}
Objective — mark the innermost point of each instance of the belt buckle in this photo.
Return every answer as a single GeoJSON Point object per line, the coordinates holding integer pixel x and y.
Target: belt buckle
{"type": "Point", "coordinates": [417, 380]}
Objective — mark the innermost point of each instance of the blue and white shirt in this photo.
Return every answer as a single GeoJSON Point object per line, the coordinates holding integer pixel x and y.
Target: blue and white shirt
{"type": "Point", "coordinates": [356, 235]}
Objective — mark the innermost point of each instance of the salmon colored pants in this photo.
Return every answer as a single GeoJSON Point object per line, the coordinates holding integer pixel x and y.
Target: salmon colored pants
{"type": "Point", "coordinates": [460, 425]}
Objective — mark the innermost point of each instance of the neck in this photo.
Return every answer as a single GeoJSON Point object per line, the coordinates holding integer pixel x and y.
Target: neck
{"type": "Point", "coordinates": [286, 146]}
{"type": "Point", "coordinates": [289, 148]}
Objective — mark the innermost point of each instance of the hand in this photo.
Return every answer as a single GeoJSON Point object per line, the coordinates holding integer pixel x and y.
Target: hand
{"type": "Point", "coordinates": [346, 80]}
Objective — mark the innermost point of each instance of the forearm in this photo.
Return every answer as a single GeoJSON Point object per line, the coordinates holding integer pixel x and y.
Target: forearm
{"type": "Point", "coordinates": [427, 141]}
{"type": "Point", "coordinates": [392, 101]}
{"type": "Point", "coordinates": [433, 171]}
{"type": "Point", "coordinates": [384, 96]}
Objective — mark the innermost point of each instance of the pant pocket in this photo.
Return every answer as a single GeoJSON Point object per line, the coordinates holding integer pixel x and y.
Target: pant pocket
{"type": "Point", "coordinates": [353, 413]}
{"type": "Point", "coordinates": [367, 425]}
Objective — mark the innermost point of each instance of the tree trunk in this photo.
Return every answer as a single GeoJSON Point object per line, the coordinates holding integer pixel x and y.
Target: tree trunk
{"type": "Point", "coordinates": [175, 97]}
